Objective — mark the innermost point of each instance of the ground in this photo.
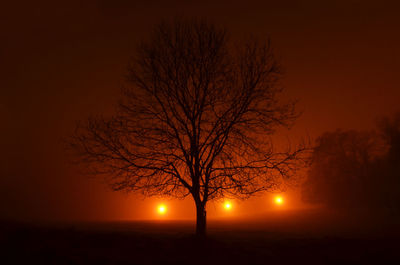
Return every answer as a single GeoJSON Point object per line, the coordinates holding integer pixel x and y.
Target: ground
{"type": "Point", "coordinates": [286, 238]}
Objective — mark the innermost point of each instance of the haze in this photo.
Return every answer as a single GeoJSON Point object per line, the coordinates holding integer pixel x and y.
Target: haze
{"type": "Point", "coordinates": [61, 62]}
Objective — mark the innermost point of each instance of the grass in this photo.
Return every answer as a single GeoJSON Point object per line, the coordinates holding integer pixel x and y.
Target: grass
{"type": "Point", "coordinates": [288, 238]}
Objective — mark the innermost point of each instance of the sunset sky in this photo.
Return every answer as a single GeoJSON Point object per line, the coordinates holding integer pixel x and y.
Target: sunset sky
{"type": "Point", "coordinates": [61, 61]}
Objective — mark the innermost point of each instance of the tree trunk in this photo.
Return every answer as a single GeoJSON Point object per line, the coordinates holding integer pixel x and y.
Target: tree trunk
{"type": "Point", "coordinates": [200, 220]}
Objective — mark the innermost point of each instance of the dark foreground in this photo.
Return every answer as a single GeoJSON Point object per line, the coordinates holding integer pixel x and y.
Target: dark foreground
{"type": "Point", "coordinates": [285, 239]}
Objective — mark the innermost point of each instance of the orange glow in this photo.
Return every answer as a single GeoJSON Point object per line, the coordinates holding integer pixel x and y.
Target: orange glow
{"type": "Point", "coordinates": [162, 209]}
{"type": "Point", "coordinates": [278, 200]}
{"type": "Point", "coordinates": [228, 206]}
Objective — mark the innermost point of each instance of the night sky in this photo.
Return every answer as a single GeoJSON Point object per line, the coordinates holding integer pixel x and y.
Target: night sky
{"type": "Point", "coordinates": [61, 61]}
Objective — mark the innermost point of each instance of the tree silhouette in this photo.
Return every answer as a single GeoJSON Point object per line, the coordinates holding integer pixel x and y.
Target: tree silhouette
{"type": "Point", "coordinates": [195, 119]}
{"type": "Point", "coordinates": [388, 167]}
{"type": "Point", "coordinates": [357, 169]}
{"type": "Point", "coordinates": [340, 173]}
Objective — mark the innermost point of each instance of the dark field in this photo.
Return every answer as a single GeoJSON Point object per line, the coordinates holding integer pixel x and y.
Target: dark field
{"type": "Point", "coordinates": [276, 238]}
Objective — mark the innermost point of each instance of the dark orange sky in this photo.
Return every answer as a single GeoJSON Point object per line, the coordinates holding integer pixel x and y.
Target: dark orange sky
{"type": "Point", "coordinates": [60, 62]}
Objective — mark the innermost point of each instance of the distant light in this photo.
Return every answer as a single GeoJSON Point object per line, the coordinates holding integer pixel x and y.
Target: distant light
{"type": "Point", "coordinates": [278, 200]}
{"type": "Point", "coordinates": [228, 206]}
{"type": "Point", "coordinates": [162, 209]}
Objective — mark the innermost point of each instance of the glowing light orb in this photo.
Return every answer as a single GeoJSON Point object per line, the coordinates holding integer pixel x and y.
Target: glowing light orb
{"type": "Point", "coordinates": [162, 209]}
{"type": "Point", "coordinates": [278, 200]}
{"type": "Point", "coordinates": [228, 206]}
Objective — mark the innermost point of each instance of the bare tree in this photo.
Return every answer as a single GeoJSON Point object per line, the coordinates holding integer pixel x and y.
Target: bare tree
{"type": "Point", "coordinates": [195, 119]}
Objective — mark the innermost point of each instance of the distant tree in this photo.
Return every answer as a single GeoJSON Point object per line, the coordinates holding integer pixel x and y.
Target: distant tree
{"type": "Point", "coordinates": [195, 119]}
{"type": "Point", "coordinates": [389, 128]}
{"type": "Point", "coordinates": [341, 162]}
{"type": "Point", "coordinates": [355, 169]}
{"type": "Point", "coordinates": [388, 167]}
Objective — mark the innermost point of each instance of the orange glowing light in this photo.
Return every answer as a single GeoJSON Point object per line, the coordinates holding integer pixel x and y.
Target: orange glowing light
{"type": "Point", "coordinates": [162, 209]}
{"type": "Point", "coordinates": [278, 200]}
{"type": "Point", "coordinates": [228, 206]}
